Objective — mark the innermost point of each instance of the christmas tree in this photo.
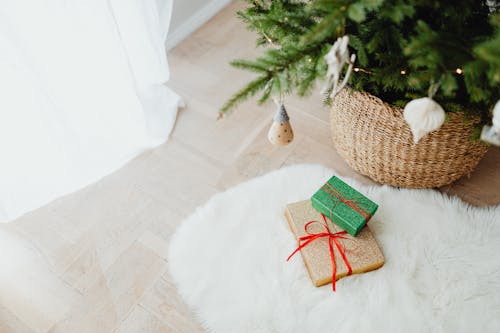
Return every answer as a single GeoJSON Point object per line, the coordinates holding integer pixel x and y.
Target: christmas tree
{"type": "Point", "coordinates": [405, 49]}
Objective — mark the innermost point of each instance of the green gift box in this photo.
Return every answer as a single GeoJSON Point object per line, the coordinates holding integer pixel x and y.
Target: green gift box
{"type": "Point", "coordinates": [343, 205]}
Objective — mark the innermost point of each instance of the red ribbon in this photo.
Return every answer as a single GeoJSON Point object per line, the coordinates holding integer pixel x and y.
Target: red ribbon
{"type": "Point", "coordinates": [332, 238]}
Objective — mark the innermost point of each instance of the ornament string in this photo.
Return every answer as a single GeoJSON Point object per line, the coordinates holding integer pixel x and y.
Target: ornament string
{"type": "Point", "coordinates": [433, 88]}
{"type": "Point", "coordinates": [333, 238]}
{"type": "Point", "coordinates": [278, 100]}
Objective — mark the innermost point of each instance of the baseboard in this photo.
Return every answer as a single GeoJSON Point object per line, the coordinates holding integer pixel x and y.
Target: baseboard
{"type": "Point", "coordinates": [195, 21]}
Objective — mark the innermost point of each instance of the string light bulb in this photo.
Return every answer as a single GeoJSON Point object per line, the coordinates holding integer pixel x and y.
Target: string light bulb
{"type": "Point", "coordinates": [459, 71]}
{"type": "Point", "coordinates": [403, 72]}
{"type": "Point", "coordinates": [356, 69]}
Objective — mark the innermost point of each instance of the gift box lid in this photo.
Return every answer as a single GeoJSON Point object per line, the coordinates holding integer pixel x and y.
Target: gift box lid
{"type": "Point", "coordinates": [344, 205]}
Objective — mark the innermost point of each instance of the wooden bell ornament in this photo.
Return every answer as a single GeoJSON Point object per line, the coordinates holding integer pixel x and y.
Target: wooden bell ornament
{"type": "Point", "coordinates": [280, 133]}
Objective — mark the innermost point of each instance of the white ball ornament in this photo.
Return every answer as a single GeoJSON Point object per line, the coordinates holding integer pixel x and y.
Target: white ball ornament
{"type": "Point", "coordinates": [491, 134]}
{"type": "Point", "coordinates": [423, 115]}
{"type": "Point", "coordinates": [496, 116]}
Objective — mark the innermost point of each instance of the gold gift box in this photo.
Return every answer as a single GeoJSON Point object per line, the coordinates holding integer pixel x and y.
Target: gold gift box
{"type": "Point", "coordinates": [362, 251]}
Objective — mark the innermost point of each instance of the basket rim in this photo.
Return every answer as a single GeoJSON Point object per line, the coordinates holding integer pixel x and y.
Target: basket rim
{"type": "Point", "coordinates": [375, 140]}
{"type": "Point", "coordinates": [398, 111]}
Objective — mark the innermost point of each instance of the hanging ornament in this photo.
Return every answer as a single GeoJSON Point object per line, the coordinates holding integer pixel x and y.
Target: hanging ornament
{"type": "Point", "coordinates": [491, 134]}
{"type": "Point", "coordinates": [424, 115]}
{"type": "Point", "coordinates": [336, 59]}
{"type": "Point", "coordinates": [280, 133]}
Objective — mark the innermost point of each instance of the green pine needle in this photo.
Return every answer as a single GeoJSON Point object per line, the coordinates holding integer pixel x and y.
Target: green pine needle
{"type": "Point", "coordinates": [401, 47]}
{"type": "Point", "coordinates": [248, 91]}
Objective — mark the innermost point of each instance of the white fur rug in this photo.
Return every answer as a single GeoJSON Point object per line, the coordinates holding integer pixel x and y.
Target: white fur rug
{"type": "Point", "coordinates": [442, 270]}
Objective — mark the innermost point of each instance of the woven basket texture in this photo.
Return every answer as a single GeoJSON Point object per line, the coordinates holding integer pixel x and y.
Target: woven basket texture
{"type": "Point", "coordinates": [374, 139]}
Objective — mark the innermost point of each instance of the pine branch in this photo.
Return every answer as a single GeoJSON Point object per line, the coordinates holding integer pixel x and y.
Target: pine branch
{"type": "Point", "coordinates": [248, 91]}
{"type": "Point", "coordinates": [329, 26]}
{"type": "Point", "coordinates": [252, 66]}
{"type": "Point", "coordinates": [401, 46]}
{"type": "Point", "coordinates": [277, 81]}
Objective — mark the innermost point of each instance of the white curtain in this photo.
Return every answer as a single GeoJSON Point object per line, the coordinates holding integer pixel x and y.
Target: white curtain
{"type": "Point", "coordinates": [81, 93]}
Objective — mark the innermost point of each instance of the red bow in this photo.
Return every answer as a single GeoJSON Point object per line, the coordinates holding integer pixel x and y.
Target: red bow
{"type": "Point", "coordinates": [332, 238]}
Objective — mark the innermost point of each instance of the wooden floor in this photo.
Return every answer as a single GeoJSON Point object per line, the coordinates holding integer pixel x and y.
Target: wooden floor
{"type": "Point", "coordinates": [102, 251]}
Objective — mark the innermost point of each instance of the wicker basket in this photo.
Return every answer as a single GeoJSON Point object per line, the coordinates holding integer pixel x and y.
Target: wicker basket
{"type": "Point", "coordinates": [375, 140]}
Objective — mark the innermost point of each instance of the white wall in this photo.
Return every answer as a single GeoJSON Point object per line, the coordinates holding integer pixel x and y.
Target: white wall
{"type": "Point", "coordinates": [183, 9]}
{"type": "Point", "coordinates": [189, 15]}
